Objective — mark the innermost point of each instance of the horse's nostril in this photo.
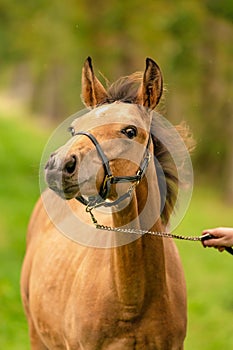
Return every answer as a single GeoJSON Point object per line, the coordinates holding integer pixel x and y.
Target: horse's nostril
{"type": "Point", "coordinates": [70, 165]}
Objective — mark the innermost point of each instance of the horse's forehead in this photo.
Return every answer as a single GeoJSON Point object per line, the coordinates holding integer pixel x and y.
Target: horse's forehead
{"type": "Point", "coordinates": [113, 113]}
{"type": "Point", "coordinates": [117, 110]}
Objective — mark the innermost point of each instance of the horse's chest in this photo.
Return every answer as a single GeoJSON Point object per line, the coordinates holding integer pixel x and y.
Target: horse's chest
{"type": "Point", "coordinates": [83, 306]}
{"type": "Point", "coordinates": [76, 302]}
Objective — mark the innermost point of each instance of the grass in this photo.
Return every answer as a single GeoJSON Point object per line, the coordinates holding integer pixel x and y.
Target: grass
{"type": "Point", "coordinates": [208, 272]}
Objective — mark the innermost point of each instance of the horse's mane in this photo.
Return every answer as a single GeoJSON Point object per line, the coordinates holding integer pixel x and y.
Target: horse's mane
{"type": "Point", "coordinates": [166, 167]}
{"type": "Point", "coordinates": [125, 90]}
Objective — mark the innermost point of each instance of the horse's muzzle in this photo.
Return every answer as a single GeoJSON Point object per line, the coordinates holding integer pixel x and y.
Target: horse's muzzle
{"type": "Point", "coordinates": [60, 175]}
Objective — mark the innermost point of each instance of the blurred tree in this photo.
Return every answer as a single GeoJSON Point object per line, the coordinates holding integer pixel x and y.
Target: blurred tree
{"type": "Point", "coordinates": [216, 95]}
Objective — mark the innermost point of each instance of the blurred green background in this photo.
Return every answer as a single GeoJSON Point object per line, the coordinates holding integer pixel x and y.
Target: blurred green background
{"type": "Point", "coordinates": [42, 48]}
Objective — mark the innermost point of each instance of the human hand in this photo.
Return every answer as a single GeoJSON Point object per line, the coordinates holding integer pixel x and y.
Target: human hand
{"type": "Point", "coordinates": [222, 237]}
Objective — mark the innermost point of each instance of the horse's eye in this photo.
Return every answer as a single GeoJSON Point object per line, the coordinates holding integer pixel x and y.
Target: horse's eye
{"type": "Point", "coordinates": [71, 130]}
{"type": "Point", "coordinates": [130, 131]}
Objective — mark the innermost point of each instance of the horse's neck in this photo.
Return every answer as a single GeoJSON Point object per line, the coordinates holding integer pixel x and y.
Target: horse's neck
{"type": "Point", "coordinates": [139, 268]}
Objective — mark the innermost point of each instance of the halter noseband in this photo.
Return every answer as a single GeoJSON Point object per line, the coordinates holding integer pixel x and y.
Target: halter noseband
{"type": "Point", "coordinates": [109, 178]}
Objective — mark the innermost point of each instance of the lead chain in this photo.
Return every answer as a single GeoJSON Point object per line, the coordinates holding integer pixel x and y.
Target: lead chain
{"type": "Point", "coordinates": [143, 232]}
{"type": "Point", "coordinates": [139, 231]}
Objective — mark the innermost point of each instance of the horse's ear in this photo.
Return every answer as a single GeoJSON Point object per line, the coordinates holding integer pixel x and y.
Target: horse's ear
{"type": "Point", "coordinates": [151, 88]}
{"type": "Point", "coordinates": [93, 92]}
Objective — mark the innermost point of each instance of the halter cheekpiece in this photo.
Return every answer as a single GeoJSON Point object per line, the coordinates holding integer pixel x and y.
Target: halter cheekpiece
{"type": "Point", "coordinates": [109, 178]}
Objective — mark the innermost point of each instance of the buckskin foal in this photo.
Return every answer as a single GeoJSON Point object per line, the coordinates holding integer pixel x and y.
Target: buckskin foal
{"type": "Point", "coordinates": [124, 296]}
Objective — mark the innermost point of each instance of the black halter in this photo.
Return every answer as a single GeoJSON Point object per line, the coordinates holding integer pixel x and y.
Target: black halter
{"type": "Point", "coordinates": [109, 178]}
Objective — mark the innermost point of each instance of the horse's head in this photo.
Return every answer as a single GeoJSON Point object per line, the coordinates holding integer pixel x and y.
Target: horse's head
{"type": "Point", "coordinates": [110, 143]}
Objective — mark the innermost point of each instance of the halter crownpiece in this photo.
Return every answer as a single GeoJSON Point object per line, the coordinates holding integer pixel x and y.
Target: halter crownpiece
{"type": "Point", "coordinates": [110, 179]}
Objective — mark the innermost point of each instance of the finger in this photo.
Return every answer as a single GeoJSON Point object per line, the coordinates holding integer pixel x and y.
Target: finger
{"type": "Point", "coordinates": [209, 243]}
{"type": "Point", "coordinates": [214, 242]}
{"type": "Point", "coordinates": [208, 231]}
{"type": "Point", "coordinates": [204, 232]}
{"type": "Point", "coordinates": [221, 249]}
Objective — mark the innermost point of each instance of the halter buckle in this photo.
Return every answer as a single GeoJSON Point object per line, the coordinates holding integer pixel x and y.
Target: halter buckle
{"type": "Point", "coordinates": [106, 180]}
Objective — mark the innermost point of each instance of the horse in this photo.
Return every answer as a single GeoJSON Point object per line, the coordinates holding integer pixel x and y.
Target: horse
{"type": "Point", "coordinates": [130, 294]}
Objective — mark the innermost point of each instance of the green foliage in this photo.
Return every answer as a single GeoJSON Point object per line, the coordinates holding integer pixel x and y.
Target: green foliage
{"type": "Point", "coordinates": [20, 149]}
{"type": "Point", "coordinates": [222, 9]}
